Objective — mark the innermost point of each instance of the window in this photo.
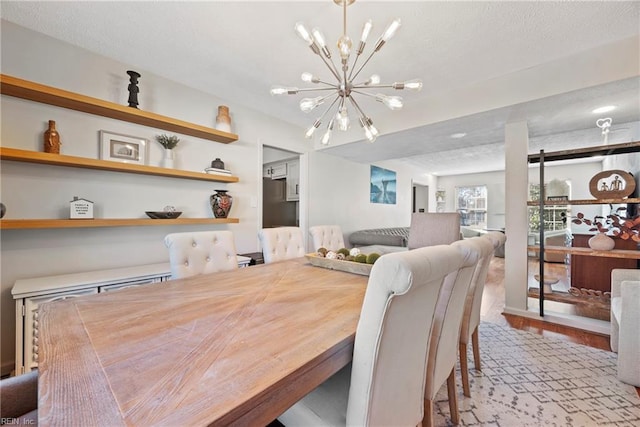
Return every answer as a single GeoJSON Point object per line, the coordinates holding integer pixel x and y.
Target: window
{"type": "Point", "coordinates": [555, 216]}
{"type": "Point", "coordinates": [471, 204]}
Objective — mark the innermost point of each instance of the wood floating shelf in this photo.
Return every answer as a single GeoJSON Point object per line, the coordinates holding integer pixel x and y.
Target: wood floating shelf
{"type": "Point", "coordinates": [614, 253]}
{"type": "Point", "coordinates": [585, 202]}
{"type": "Point", "coordinates": [13, 224]}
{"type": "Point", "coordinates": [31, 91]}
{"type": "Point", "coordinates": [580, 153]}
{"type": "Point", "coordinates": [27, 156]}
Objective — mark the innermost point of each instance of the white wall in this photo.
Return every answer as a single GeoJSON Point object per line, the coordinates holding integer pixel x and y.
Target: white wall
{"type": "Point", "coordinates": [495, 193]}
{"type": "Point", "coordinates": [40, 191]}
{"type": "Point", "coordinates": [339, 194]}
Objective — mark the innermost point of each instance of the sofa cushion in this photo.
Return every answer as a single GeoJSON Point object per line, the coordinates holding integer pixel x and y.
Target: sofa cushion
{"type": "Point", "coordinates": [392, 236]}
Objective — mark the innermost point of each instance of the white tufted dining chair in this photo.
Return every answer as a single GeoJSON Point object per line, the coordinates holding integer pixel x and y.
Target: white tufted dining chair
{"type": "Point", "coordinates": [428, 229]}
{"type": "Point", "coordinates": [327, 236]}
{"type": "Point", "coordinates": [281, 243]}
{"type": "Point", "coordinates": [200, 252]}
{"type": "Point", "coordinates": [384, 385]}
{"type": "Point", "coordinates": [471, 318]}
{"type": "Point", "coordinates": [445, 333]}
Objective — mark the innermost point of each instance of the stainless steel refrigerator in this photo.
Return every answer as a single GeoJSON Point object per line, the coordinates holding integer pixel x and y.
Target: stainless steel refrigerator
{"type": "Point", "coordinates": [276, 211]}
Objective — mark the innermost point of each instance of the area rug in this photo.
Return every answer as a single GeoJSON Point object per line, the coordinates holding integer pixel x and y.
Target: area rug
{"type": "Point", "coordinates": [530, 380]}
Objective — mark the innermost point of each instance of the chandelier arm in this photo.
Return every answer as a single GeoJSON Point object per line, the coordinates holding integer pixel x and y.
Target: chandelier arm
{"type": "Point", "coordinates": [353, 67]}
{"type": "Point", "coordinates": [311, 89]}
{"type": "Point", "coordinates": [327, 96]}
{"type": "Point", "coordinates": [329, 108]}
{"type": "Point", "coordinates": [363, 93]}
{"type": "Point", "coordinates": [362, 66]}
{"type": "Point", "coordinates": [362, 86]}
{"type": "Point", "coordinates": [344, 18]}
{"type": "Point", "coordinates": [331, 66]}
{"type": "Point", "coordinates": [357, 107]}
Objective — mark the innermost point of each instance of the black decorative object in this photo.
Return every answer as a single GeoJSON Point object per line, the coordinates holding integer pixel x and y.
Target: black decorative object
{"type": "Point", "coordinates": [221, 203]}
{"type": "Point", "coordinates": [3, 210]}
{"type": "Point", "coordinates": [217, 163]}
{"type": "Point", "coordinates": [163, 214]}
{"type": "Point", "coordinates": [133, 88]}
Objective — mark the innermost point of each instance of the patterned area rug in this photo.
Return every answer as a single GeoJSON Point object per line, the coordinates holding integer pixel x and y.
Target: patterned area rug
{"type": "Point", "coordinates": [529, 380]}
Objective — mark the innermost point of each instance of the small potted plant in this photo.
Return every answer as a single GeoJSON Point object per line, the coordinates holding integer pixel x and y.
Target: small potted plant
{"type": "Point", "coordinates": [169, 143]}
{"type": "Point", "coordinates": [624, 228]}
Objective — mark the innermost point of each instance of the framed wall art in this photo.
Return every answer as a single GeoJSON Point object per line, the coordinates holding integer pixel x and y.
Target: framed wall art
{"type": "Point", "coordinates": [382, 186]}
{"type": "Point", "coordinates": [123, 148]}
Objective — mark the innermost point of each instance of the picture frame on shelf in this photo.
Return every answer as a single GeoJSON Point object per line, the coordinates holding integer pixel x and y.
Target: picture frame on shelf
{"type": "Point", "coordinates": [123, 148]}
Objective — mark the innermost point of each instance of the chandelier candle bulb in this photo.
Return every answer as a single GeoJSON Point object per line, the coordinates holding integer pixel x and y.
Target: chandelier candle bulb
{"type": "Point", "coordinates": [343, 119]}
{"type": "Point", "coordinates": [392, 102]}
{"type": "Point", "coordinates": [303, 33]}
{"type": "Point", "coordinates": [366, 29]}
{"type": "Point", "coordinates": [391, 30]}
{"type": "Point", "coordinates": [327, 135]}
{"type": "Point", "coordinates": [279, 90]}
{"type": "Point", "coordinates": [309, 78]}
{"type": "Point", "coordinates": [320, 41]}
{"type": "Point", "coordinates": [308, 104]}
{"type": "Point", "coordinates": [373, 80]}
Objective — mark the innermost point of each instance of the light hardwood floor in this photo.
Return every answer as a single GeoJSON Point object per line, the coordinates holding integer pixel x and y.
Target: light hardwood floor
{"type": "Point", "coordinates": [493, 306]}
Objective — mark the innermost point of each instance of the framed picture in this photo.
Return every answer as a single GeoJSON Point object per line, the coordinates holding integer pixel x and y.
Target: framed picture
{"type": "Point", "coordinates": [382, 186]}
{"type": "Point", "coordinates": [123, 148]}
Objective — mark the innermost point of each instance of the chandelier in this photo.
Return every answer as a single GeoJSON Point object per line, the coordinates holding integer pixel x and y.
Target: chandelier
{"type": "Point", "coordinates": [341, 94]}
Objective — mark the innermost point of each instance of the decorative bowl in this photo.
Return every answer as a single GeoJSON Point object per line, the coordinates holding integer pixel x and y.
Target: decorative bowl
{"type": "Point", "coordinates": [163, 214]}
{"type": "Point", "coordinates": [335, 264]}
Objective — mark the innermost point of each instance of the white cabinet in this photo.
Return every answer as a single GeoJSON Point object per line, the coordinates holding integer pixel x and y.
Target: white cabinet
{"type": "Point", "coordinates": [32, 323]}
{"type": "Point", "coordinates": [275, 170]}
{"type": "Point", "coordinates": [288, 169]}
{"type": "Point", "coordinates": [293, 181]}
{"type": "Point", "coordinates": [30, 293]}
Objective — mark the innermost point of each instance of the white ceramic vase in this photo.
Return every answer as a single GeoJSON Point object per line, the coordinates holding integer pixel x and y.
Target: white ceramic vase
{"type": "Point", "coordinates": [601, 242]}
{"type": "Point", "coordinates": [168, 159]}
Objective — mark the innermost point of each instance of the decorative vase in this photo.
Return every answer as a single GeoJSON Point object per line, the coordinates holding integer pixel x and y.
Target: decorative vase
{"type": "Point", "coordinates": [221, 203]}
{"type": "Point", "coordinates": [601, 242]}
{"type": "Point", "coordinates": [3, 210]}
{"type": "Point", "coordinates": [167, 160]}
{"type": "Point", "coordinates": [217, 163]}
{"type": "Point", "coordinates": [52, 139]}
{"type": "Point", "coordinates": [223, 120]}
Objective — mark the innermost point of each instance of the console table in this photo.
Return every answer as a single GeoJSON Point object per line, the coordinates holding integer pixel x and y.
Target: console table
{"type": "Point", "coordinates": [595, 272]}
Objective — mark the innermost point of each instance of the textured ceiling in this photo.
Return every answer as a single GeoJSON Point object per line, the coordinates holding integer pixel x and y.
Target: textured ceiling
{"type": "Point", "coordinates": [237, 50]}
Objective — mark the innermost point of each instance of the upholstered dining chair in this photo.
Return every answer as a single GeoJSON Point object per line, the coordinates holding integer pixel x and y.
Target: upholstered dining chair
{"type": "Point", "coordinates": [384, 385]}
{"type": "Point", "coordinates": [326, 236]}
{"type": "Point", "coordinates": [445, 333]}
{"type": "Point", "coordinates": [281, 243]}
{"type": "Point", "coordinates": [429, 229]}
{"type": "Point", "coordinates": [471, 317]}
{"type": "Point", "coordinates": [19, 399]}
{"type": "Point", "coordinates": [200, 252]}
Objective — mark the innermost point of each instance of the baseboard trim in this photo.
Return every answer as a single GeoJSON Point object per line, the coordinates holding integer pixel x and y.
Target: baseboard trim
{"type": "Point", "coordinates": [522, 313]}
{"type": "Point", "coordinates": [601, 327]}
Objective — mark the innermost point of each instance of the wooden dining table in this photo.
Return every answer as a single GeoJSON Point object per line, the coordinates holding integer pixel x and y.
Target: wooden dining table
{"type": "Point", "coordinates": [229, 348]}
